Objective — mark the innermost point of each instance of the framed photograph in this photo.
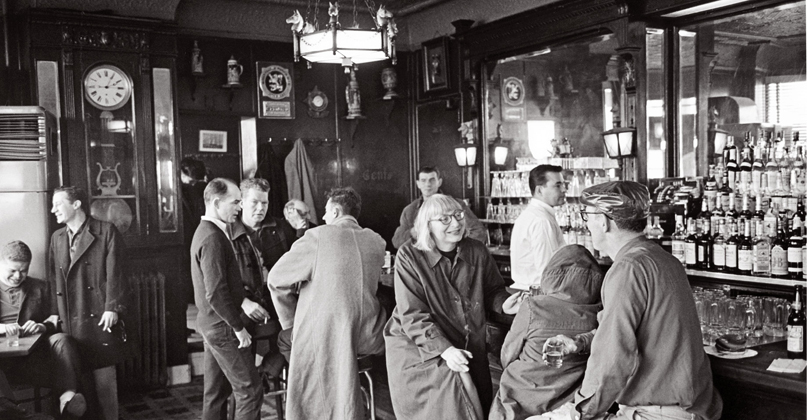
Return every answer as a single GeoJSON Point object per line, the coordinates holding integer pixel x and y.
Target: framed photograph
{"type": "Point", "coordinates": [275, 90]}
{"type": "Point", "coordinates": [212, 141]}
{"type": "Point", "coordinates": [436, 74]}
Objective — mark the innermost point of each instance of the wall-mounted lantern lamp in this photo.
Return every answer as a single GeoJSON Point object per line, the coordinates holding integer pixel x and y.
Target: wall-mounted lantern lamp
{"type": "Point", "coordinates": [465, 153]}
{"type": "Point", "coordinates": [619, 141]}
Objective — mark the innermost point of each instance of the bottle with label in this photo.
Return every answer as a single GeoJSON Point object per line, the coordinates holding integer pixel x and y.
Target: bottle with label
{"type": "Point", "coordinates": [745, 251]}
{"type": "Point", "coordinates": [746, 213]}
{"type": "Point", "coordinates": [732, 242]}
{"type": "Point", "coordinates": [795, 329]}
{"type": "Point", "coordinates": [731, 212]}
{"type": "Point", "coordinates": [794, 253]}
{"type": "Point", "coordinates": [679, 239]}
{"type": "Point", "coordinates": [719, 248]}
{"type": "Point", "coordinates": [770, 219]}
{"type": "Point", "coordinates": [655, 233]}
{"type": "Point", "coordinates": [779, 268]}
{"type": "Point", "coordinates": [761, 251]}
{"type": "Point", "coordinates": [690, 249]}
{"type": "Point", "coordinates": [703, 246]}
{"type": "Point", "coordinates": [710, 187]}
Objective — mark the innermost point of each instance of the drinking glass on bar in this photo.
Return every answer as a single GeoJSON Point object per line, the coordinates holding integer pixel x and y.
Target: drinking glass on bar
{"type": "Point", "coordinates": [13, 335]}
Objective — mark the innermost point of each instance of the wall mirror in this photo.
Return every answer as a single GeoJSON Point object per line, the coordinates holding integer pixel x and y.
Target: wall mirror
{"type": "Point", "coordinates": [743, 74]}
{"type": "Point", "coordinates": [555, 101]}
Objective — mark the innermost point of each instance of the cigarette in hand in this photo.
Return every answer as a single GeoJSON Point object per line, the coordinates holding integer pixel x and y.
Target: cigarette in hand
{"type": "Point", "coordinates": [266, 320]}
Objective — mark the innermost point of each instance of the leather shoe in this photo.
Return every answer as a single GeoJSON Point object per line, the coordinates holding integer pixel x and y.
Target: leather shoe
{"type": "Point", "coordinates": [77, 406]}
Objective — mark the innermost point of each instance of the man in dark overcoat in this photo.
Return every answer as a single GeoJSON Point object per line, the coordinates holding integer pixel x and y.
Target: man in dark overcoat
{"type": "Point", "coordinates": [85, 266]}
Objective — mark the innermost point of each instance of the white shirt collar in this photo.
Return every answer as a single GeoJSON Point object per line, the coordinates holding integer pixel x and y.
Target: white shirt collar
{"type": "Point", "coordinates": [219, 223]}
{"type": "Point", "coordinates": [541, 205]}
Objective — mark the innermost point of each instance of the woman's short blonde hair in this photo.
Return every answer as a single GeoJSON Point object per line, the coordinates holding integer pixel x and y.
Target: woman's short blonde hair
{"type": "Point", "coordinates": [433, 207]}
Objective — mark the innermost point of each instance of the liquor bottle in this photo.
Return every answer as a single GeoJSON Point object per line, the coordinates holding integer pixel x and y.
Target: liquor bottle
{"type": "Point", "coordinates": [745, 250]}
{"type": "Point", "coordinates": [731, 213]}
{"type": "Point", "coordinates": [800, 213]}
{"type": "Point", "coordinates": [779, 268]}
{"type": "Point", "coordinates": [730, 151]}
{"type": "Point", "coordinates": [770, 219]}
{"type": "Point", "coordinates": [655, 233]}
{"type": "Point", "coordinates": [719, 248]}
{"type": "Point", "coordinates": [732, 242]}
{"type": "Point", "coordinates": [778, 193]}
{"type": "Point", "coordinates": [799, 167]}
{"type": "Point", "coordinates": [795, 329]}
{"type": "Point", "coordinates": [679, 239]}
{"type": "Point", "coordinates": [717, 216]}
{"type": "Point", "coordinates": [794, 253]}
{"type": "Point", "coordinates": [757, 169]}
{"type": "Point", "coordinates": [759, 214]}
{"type": "Point", "coordinates": [710, 187]}
{"type": "Point", "coordinates": [690, 249]}
{"type": "Point", "coordinates": [745, 213]}
{"type": "Point", "coordinates": [724, 193]}
{"type": "Point", "coordinates": [703, 246]}
{"type": "Point", "coordinates": [706, 213]}
{"type": "Point", "coordinates": [732, 167]}
{"type": "Point", "coordinates": [745, 169]}
{"type": "Point", "coordinates": [761, 252]}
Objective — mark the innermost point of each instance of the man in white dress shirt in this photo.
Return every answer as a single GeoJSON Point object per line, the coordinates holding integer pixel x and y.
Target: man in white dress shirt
{"type": "Point", "coordinates": [536, 234]}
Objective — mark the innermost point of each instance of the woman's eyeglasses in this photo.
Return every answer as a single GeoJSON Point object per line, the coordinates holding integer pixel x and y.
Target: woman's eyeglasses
{"type": "Point", "coordinates": [446, 220]}
{"type": "Point", "coordinates": [584, 214]}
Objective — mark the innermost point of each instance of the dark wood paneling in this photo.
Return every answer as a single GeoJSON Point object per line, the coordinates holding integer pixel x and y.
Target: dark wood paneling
{"type": "Point", "coordinates": [371, 155]}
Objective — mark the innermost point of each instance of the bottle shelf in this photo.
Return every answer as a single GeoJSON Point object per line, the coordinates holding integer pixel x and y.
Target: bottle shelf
{"type": "Point", "coordinates": [495, 221]}
{"type": "Point", "coordinates": [744, 278]}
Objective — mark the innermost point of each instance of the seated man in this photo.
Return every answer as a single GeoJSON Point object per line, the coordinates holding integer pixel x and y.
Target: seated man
{"type": "Point", "coordinates": [25, 306]}
{"type": "Point", "coordinates": [298, 216]}
{"type": "Point", "coordinates": [568, 305]}
{"type": "Point", "coordinates": [325, 287]}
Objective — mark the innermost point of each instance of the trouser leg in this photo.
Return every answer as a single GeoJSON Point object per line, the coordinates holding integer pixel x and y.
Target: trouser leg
{"type": "Point", "coordinates": [65, 362]}
{"type": "Point", "coordinates": [216, 388]}
{"type": "Point", "coordinates": [284, 339]}
{"type": "Point", "coordinates": [238, 367]}
{"type": "Point", "coordinates": [106, 386]}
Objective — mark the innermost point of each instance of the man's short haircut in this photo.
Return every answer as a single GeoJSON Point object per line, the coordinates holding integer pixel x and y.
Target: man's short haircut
{"type": "Point", "coordinates": [193, 168]}
{"type": "Point", "coordinates": [631, 225]}
{"type": "Point", "coordinates": [73, 194]}
{"type": "Point", "coordinates": [16, 251]}
{"type": "Point", "coordinates": [258, 184]}
{"type": "Point", "coordinates": [538, 175]}
{"type": "Point", "coordinates": [217, 188]}
{"type": "Point", "coordinates": [348, 199]}
{"type": "Point", "coordinates": [429, 170]}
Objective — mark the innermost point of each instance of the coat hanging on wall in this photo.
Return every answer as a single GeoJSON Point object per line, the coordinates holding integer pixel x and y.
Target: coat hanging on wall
{"type": "Point", "coordinates": [271, 168]}
{"type": "Point", "coordinates": [300, 177]}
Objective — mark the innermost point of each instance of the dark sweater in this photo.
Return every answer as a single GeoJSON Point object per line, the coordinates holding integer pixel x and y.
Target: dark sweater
{"type": "Point", "coordinates": [216, 278]}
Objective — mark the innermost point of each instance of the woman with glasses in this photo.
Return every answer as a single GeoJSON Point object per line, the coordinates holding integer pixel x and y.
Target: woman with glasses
{"type": "Point", "coordinates": [445, 284]}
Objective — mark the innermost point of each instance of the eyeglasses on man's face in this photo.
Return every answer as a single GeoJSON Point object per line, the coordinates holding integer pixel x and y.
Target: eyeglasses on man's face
{"type": "Point", "coordinates": [584, 214]}
{"type": "Point", "coordinates": [446, 219]}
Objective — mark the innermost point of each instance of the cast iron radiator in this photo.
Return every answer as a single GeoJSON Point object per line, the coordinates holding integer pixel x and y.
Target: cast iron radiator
{"type": "Point", "coordinates": [146, 329]}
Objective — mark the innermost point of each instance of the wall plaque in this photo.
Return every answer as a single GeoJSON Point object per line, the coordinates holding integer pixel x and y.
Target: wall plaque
{"type": "Point", "coordinates": [275, 90]}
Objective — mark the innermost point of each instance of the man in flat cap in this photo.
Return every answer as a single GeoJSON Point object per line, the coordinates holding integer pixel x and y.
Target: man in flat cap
{"type": "Point", "coordinates": [647, 354]}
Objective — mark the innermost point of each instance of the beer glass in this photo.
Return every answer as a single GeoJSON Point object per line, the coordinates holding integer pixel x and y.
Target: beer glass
{"type": "Point", "coordinates": [774, 312]}
{"type": "Point", "coordinates": [554, 353]}
{"type": "Point", "coordinates": [13, 335]}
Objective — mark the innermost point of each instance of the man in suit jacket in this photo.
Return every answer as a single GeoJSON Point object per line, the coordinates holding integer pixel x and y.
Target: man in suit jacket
{"type": "Point", "coordinates": [85, 268]}
{"type": "Point", "coordinates": [218, 292]}
{"type": "Point", "coordinates": [25, 307]}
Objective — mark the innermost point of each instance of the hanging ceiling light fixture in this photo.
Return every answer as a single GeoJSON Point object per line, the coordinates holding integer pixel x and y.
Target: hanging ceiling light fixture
{"type": "Point", "coordinates": [345, 46]}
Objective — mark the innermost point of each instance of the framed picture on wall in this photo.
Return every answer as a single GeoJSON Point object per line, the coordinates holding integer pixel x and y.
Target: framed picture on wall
{"type": "Point", "coordinates": [212, 141]}
{"type": "Point", "coordinates": [275, 90]}
{"type": "Point", "coordinates": [435, 58]}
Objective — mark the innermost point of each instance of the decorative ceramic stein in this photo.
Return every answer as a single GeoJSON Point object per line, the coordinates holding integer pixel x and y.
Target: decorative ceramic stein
{"type": "Point", "coordinates": [353, 97]}
{"type": "Point", "coordinates": [197, 64]}
{"type": "Point", "coordinates": [234, 71]}
{"type": "Point", "coordinates": [389, 79]}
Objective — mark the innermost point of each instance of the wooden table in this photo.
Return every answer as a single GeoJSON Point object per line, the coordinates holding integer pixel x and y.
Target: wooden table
{"type": "Point", "coordinates": [27, 344]}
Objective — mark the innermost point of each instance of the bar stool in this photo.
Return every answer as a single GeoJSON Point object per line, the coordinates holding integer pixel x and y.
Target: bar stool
{"type": "Point", "coordinates": [365, 366]}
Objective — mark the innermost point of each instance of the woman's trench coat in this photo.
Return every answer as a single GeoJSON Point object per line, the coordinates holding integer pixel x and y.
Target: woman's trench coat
{"type": "Point", "coordinates": [91, 284]}
{"type": "Point", "coordinates": [439, 305]}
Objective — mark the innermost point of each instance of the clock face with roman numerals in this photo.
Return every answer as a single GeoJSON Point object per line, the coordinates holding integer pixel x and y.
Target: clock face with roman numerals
{"type": "Point", "coordinates": [107, 87]}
